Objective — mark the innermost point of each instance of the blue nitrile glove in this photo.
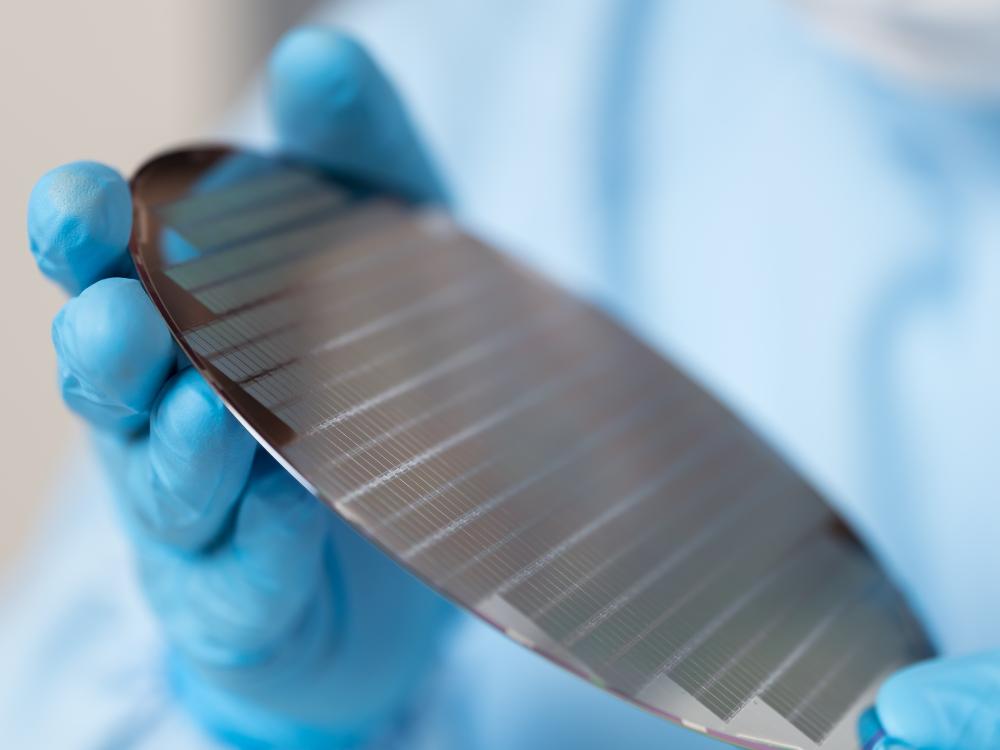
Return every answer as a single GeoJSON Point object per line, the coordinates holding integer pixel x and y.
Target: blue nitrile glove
{"type": "Point", "coordinates": [943, 704]}
{"type": "Point", "coordinates": [286, 629]}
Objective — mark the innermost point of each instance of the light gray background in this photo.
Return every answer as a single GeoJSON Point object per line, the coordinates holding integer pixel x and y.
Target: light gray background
{"type": "Point", "coordinates": [112, 80]}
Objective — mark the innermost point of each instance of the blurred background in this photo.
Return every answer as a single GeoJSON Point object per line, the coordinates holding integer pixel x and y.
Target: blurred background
{"type": "Point", "coordinates": [89, 81]}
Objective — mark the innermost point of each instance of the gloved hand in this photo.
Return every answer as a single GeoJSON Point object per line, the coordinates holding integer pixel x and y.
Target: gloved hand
{"type": "Point", "coordinates": [944, 704]}
{"type": "Point", "coordinates": [286, 629]}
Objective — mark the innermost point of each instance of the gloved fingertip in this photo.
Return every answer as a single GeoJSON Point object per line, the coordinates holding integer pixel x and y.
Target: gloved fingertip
{"type": "Point", "coordinates": [318, 78]}
{"type": "Point", "coordinates": [79, 221]}
{"type": "Point", "coordinates": [77, 391]}
{"type": "Point", "coordinates": [907, 709]}
{"type": "Point", "coordinates": [200, 458]}
{"type": "Point", "coordinates": [114, 352]}
{"type": "Point", "coordinates": [332, 104]}
{"type": "Point", "coordinates": [192, 420]}
{"type": "Point", "coordinates": [313, 65]}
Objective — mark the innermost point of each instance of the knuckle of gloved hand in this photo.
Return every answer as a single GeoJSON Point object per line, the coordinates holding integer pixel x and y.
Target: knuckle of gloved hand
{"type": "Point", "coordinates": [251, 627]}
{"type": "Point", "coordinates": [216, 614]}
{"type": "Point", "coordinates": [79, 221]}
{"type": "Point", "coordinates": [200, 457]}
{"type": "Point", "coordinates": [280, 526]}
{"type": "Point", "coordinates": [114, 351]}
{"type": "Point", "coordinates": [204, 616]}
{"type": "Point", "coordinates": [234, 604]}
{"type": "Point", "coordinates": [278, 538]}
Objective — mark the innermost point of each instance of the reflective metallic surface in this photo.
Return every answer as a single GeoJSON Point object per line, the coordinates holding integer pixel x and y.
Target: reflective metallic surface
{"type": "Point", "coordinates": [519, 451]}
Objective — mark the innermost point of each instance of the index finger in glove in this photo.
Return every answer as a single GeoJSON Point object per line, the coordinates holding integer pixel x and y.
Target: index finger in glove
{"type": "Point", "coordinates": [79, 221]}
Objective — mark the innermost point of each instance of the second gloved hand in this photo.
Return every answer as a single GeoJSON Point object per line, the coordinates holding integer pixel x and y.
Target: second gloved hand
{"type": "Point", "coordinates": [943, 704]}
{"type": "Point", "coordinates": [285, 628]}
